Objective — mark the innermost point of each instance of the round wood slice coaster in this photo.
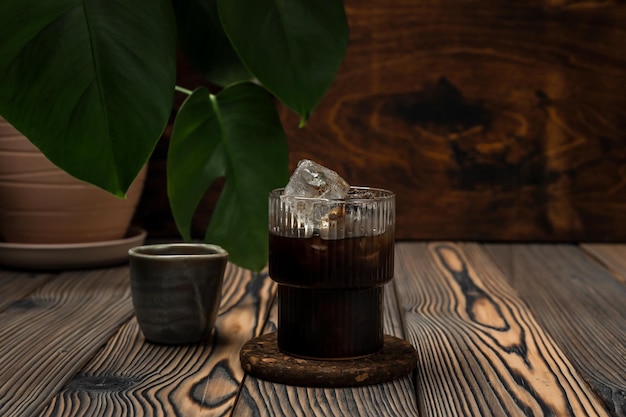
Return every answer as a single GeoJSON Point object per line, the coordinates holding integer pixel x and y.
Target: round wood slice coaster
{"type": "Point", "coordinates": [262, 358]}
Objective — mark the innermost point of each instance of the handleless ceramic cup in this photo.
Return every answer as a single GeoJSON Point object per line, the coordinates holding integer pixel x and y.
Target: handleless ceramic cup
{"type": "Point", "coordinates": [176, 290]}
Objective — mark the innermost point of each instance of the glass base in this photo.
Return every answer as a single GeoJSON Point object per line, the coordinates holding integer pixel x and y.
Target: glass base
{"type": "Point", "coordinates": [330, 324]}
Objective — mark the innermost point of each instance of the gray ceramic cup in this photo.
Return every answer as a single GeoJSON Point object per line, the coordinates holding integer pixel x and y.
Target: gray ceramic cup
{"type": "Point", "coordinates": [176, 290]}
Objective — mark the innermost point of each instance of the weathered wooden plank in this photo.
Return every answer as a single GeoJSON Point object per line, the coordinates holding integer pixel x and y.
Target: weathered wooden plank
{"type": "Point", "coordinates": [15, 285]}
{"type": "Point", "coordinates": [396, 398]}
{"type": "Point", "coordinates": [130, 376]}
{"type": "Point", "coordinates": [48, 336]}
{"type": "Point", "coordinates": [580, 305]}
{"type": "Point", "coordinates": [612, 256]}
{"type": "Point", "coordinates": [481, 351]}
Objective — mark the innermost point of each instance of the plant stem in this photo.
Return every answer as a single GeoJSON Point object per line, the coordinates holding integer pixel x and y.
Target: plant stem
{"type": "Point", "coordinates": [182, 90]}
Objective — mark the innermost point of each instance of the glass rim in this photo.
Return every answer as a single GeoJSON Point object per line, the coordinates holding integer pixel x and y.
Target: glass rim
{"type": "Point", "coordinates": [384, 195]}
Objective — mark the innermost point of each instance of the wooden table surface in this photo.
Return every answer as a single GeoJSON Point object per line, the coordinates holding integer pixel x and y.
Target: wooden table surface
{"type": "Point", "coordinates": [499, 330]}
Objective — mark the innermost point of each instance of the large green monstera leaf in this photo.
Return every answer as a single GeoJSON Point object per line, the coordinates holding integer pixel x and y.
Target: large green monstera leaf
{"type": "Point", "coordinates": [90, 82]}
{"type": "Point", "coordinates": [294, 48]}
{"type": "Point", "coordinates": [236, 135]}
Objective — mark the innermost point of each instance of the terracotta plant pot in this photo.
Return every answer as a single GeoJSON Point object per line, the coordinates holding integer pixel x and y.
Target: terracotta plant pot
{"type": "Point", "coordinates": [40, 203]}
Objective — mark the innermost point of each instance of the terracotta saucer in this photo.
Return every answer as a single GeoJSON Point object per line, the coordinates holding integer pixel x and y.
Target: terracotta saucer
{"type": "Point", "coordinates": [69, 255]}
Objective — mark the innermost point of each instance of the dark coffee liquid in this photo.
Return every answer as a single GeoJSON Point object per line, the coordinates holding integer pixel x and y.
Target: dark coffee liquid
{"type": "Point", "coordinates": [343, 263]}
{"type": "Point", "coordinates": [330, 294]}
{"type": "Point", "coordinates": [330, 323]}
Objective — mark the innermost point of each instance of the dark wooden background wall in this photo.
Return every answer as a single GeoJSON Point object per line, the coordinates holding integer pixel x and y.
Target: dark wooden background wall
{"type": "Point", "coordinates": [491, 119]}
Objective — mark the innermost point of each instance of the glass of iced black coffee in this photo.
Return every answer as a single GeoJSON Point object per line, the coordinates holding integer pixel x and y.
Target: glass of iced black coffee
{"type": "Point", "coordinates": [331, 255]}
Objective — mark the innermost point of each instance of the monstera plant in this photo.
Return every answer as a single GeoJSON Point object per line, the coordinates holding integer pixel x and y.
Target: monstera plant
{"type": "Point", "coordinates": [91, 84]}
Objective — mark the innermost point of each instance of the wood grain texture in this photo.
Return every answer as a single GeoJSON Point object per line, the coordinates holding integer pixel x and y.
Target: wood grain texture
{"type": "Point", "coordinates": [16, 285]}
{"type": "Point", "coordinates": [612, 256]}
{"type": "Point", "coordinates": [490, 120]}
{"type": "Point", "coordinates": [130, 376]}
{"type": "Point", "coordinates": [480, 349]}
{"type": "Point", "coordinates": [397, 398]}
{"type": "Point", "coordinates": [580, 305]}
{"type": "Point", "coordinates": [48, 336]}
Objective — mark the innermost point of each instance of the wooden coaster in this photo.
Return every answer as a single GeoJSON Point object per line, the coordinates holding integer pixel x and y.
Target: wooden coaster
{"type": "Point", "coordinates": [262, 358]}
